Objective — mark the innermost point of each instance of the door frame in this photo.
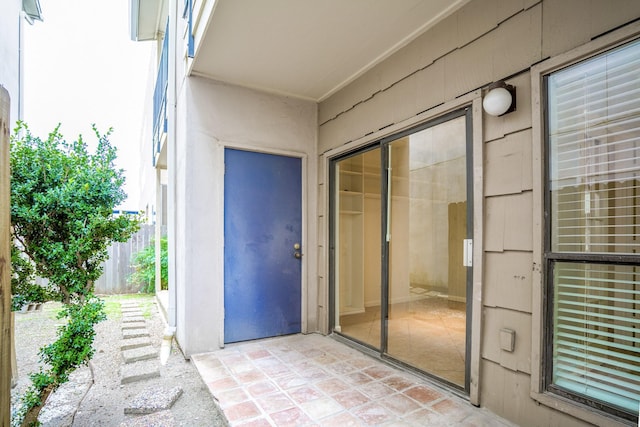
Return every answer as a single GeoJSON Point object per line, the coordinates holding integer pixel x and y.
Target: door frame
{"type": "Point", "coordinates": [220, 181]}
{"type": "Point", "coordinates": [472, 100]}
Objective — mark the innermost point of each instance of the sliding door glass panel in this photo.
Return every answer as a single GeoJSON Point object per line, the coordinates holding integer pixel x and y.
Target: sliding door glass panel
{"type": "Point", "coordinates": [427, 227]}
{"type": "Point", "coordinates": [357, 283]}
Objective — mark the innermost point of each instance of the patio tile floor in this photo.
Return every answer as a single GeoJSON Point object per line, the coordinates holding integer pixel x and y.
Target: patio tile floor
{"type": "Point", "coordinates": [313, 380]}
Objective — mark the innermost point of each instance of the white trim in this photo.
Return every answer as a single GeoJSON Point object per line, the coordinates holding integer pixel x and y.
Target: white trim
{"type": "Point", "coordinates": [588, 50]}
{"type": "Point", "coordinates": [478, 251]}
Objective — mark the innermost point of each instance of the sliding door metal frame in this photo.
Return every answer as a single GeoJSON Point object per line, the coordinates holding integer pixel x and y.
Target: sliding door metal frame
{"type": "Point", "coordinates": [384, 144]}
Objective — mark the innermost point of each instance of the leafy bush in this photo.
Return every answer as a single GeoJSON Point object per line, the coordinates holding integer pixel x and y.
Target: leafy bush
{"type": "Point", "coordinates": [144, 264]}
{"type": "Point", "coordinates": [24, 288]}
{"type": "Point", "coordinates": [62, 199]}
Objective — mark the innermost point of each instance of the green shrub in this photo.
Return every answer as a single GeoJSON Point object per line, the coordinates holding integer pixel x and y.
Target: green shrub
{"type": "Point", "coordinates": [62, 222]}
{"type": "Point", "coordinates": [144, 264]}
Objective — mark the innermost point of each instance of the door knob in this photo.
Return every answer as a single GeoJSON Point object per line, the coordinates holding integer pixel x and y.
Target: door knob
{"type": "Point", "coordinates": [297, 255]}
{"type": "Point", "coordinates": [296, 246]}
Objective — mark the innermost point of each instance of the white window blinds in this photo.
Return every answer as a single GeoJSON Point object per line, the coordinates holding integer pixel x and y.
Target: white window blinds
{"type": "Point", "coordinates": [594, 144]}
{"type": "Point", "coordinates": [594, 205]}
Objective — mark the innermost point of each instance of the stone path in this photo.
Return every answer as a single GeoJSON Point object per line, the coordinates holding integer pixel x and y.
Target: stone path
{"type": "Point", "coordinates": [140, 361]}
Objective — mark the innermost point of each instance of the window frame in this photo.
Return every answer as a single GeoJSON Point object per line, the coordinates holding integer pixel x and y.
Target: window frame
{"type": "Point", "coordinates": [542, 296]}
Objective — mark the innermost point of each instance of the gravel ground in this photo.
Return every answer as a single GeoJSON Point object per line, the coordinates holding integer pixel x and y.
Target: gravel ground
{"type": "Point", "coordinates": [104, 403]}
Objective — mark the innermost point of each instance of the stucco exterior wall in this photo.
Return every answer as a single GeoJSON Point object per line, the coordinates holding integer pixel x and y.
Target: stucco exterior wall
{"type": "Point", "coordinates": [485, 41]}
{"type": "Point", "coordinates": [211, 116]}
{"type": "Point", "coordinates": [10, 53]}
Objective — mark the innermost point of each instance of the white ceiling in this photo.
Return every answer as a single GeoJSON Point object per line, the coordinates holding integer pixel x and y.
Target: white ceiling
{"type": "Point", "coordinates": [309, 48]}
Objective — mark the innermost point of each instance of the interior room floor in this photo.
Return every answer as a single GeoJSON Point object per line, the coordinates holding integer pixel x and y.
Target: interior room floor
{"type": "Point", "coordinates": [427, 333]}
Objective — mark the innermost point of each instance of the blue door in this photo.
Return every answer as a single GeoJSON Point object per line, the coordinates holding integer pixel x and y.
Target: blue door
{"type": "Point", "coordinates": [262, 254]}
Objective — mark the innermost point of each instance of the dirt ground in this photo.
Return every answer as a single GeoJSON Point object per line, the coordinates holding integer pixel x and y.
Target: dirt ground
{"type": "Point", "coordinates": [104, 402]}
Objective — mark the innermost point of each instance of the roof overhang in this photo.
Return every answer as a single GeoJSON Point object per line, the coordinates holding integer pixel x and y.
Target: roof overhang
{"type": "Point", "coordinates": [308, 49]}
{"type": "Point", "coordinates": [146, 19]}
{"type": "Point", "coordinates": [32, 10]}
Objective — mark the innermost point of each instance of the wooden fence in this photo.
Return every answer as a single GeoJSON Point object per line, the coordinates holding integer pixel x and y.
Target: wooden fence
{"type": "Point", "coordinates": [117, 268]}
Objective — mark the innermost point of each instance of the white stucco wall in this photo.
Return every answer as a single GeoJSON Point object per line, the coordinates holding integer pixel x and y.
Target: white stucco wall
{"type": "Point", "coordinates": [10, 52]}
{"type": "Point", "coordinates": [212, 115]}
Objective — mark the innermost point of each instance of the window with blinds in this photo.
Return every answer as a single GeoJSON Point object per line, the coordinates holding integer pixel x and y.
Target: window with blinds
{"type": "Point", "coordinates": [593, 249]}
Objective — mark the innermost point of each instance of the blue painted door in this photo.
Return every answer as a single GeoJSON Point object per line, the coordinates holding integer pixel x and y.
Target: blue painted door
{"type": "Point", "coordinates": [262, 231]}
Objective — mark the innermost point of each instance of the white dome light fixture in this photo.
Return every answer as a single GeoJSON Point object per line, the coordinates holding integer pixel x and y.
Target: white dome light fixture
{"type": "Point", "coordinates": [500, 99]}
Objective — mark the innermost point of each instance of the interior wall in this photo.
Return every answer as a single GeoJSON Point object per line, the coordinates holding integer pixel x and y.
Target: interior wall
{"type": "Point", "coordinates": [217, 115]}
{"type": "Point", "coordinates": [485, 41]}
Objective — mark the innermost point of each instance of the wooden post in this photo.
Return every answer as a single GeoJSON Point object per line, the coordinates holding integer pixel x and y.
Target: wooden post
{"type": "Point", "coordinates": [5, 264]}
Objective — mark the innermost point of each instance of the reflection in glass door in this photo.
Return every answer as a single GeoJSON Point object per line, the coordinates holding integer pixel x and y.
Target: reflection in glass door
{"type": "Point", "coordinates": [401, 217]}
{"type": "Point", "coordinates": [357, 231]}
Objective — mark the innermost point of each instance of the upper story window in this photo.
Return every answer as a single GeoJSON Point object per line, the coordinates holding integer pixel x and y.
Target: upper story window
{"type": "Point", "coordinates": [592, 247]}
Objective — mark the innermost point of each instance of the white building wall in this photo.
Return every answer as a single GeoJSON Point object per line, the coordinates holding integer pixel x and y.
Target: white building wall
{"type": "Point", "coordinates": [10, 35]}
{"type": "Point", "coordinates": [212, 116]}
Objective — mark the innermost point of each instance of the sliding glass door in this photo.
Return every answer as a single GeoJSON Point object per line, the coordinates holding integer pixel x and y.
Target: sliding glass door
{"type": "Point", "coordinates": [400, 228]}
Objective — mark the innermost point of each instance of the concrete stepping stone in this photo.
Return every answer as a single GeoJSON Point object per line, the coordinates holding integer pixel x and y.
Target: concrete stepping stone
{"type": "Point", "coordinates": [132, 313]}
{"type": "Point", "coordinates": [134, 325]}
{"type": "Point", "coordinates": [133, 319]}
{"type": "Point", "coordinates": [153, 400]}
{"type": "Point", "coordinates": [140, 353]}
{"type": "Point", "coordinates": [139, 371]}
{"type": "Point", "coordinates": [64, 402]}
{"type": "Point", "coordinates": [162, 418]}
{"type": "Point", "coordinates": [130, 343]}
{"type": "Point", "coordinates": [135, 333]}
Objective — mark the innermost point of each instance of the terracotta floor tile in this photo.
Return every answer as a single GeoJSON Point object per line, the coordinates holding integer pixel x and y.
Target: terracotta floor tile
{"type": "Point", "coordinates": [241, 411]}
{"type": "Point", "coordinates": [267, 361]}
{"type": "Point", "coordinates": [290, 417]}
{"type": "Point", "coordinates": [276, 370]}
{"type": "Point", "coordinates": [231, 397]}
{"type": "Point", "coordinates": [213, 373]}
{"type": "Point", "coordinates": [325, 359]}
{"type": "Point", "coordinates": [208, 359]}
{"type": "Point", "coordinates": [311, 352]}
{"type": "Point", "coordinates": [373, 414]}
{"type": "Point", "coordinates": [232, 358]}
{"type": "Point", "coordinates": [321, 408]}
{"type": "Point", "coordinates": [454, 410]}
{"type": "Point", "coordinates": [341, 368]}
{"type": "Point", "coordinates": [250, 376]}
{"type": "Point", "coordinates": [425, 417]}
{"type": "Point", "coordinates": [257, 422]}
{"type": "Point", "coordinates": [357, 378]}
{"type": "Point", "coordinates": [310, 380]}
{"type": "Point", "coordinates": [332, 386]}
{"type": "Point", "coordinates": [261, 388]}
{"type": "Point", "coordinates": [222, 384]}
{"type": "Point", "coordinates": [305, 394]}
{"type": "Point", "coordinates": [423, 394]}
{"type": "Point", "coordinates": [258, 354]}
{"type": "Point", "coordinates": [240, 367]}
{"type": "Point", "coordinates": [350, 398]}
{"type": "Point", "coordinates": [375, 390]}
{"type": "Point", "coordinates": [399, 404]}
{"type": "Point", "coordinates": [398, 383]}
{"type": "Point", "coordinates": [343, 419]}
{"type": "Point", "coordinates": [379, 372]}
{"type": "Point", "coordinates": [362, 362]}
{"type": "Point", "coordinates": [315, 374]}
{"type": "Point", "coordinates": [290, 381]}
{"type": "Point", "coordinates": [275, 402]}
